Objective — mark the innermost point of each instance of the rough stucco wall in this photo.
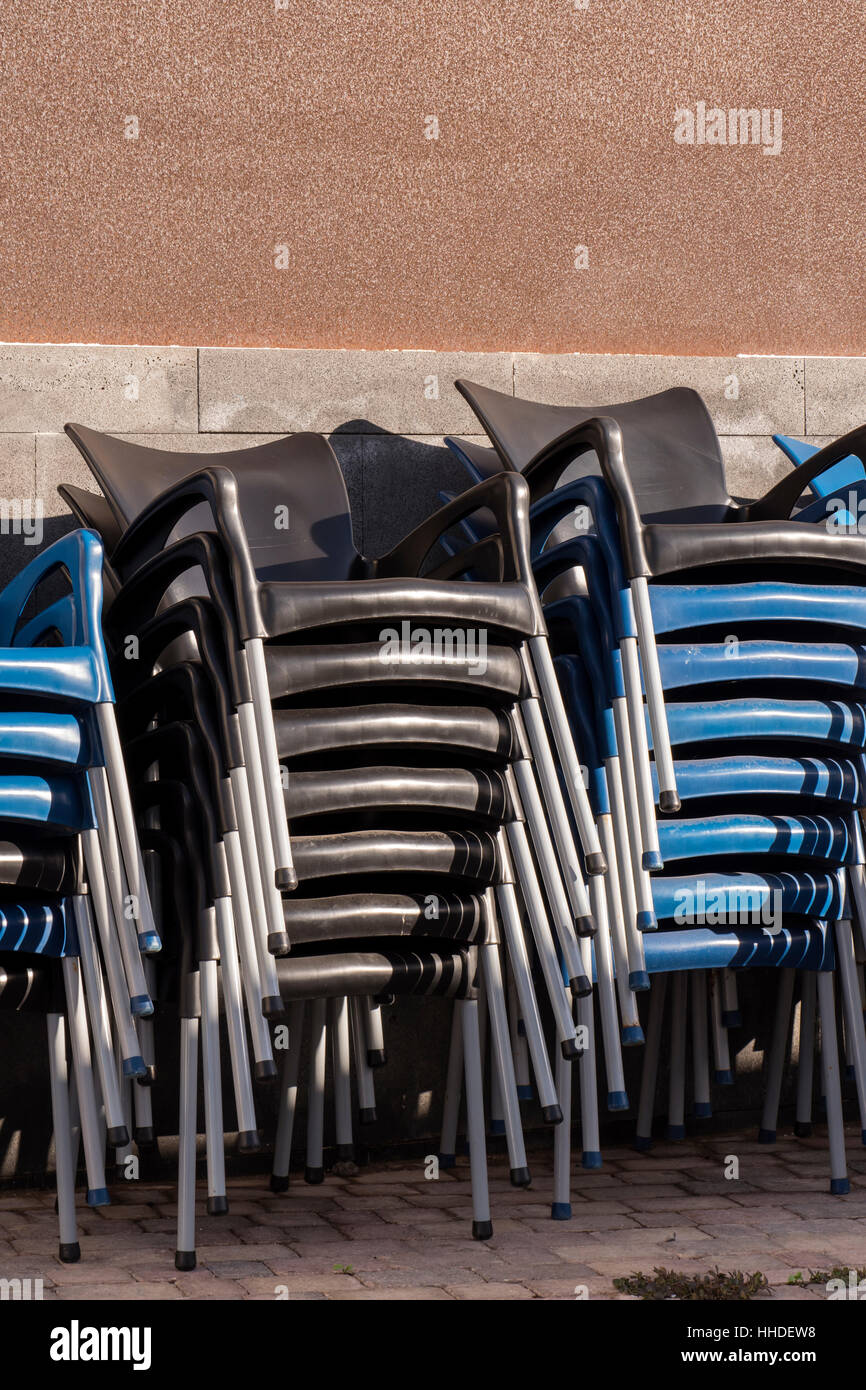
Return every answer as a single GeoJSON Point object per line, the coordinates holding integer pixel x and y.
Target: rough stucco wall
{"type": "Point", "coordinates": [305, 126]}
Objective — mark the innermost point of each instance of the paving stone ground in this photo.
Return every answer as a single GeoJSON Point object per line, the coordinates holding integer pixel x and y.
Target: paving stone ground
{"type": "Point", "coordinates": [388, 1233]}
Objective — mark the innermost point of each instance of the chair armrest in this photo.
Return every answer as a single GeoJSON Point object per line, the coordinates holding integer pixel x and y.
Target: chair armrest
{"type": "Point", "coordinates": [146, 536]}
{"type": "Point", "coordinates": [779, 502]}
{"type": "Point", "coordinates": [506, 495]}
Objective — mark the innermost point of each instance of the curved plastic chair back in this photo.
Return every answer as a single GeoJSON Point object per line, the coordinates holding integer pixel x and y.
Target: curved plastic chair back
{"type": "Point", "coordinates": [848, 470]}
{"type": "Point", "coordinates": [293, 499]}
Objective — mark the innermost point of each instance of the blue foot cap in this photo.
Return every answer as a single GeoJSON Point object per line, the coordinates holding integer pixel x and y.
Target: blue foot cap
{"type": "Point", "coordinates": [497, 1126]}
{"type": "Point", "coordinates": [643, 1143]}
{"type": "Point", "coordinates": [525, 1093]}
{"type": "Point", "coordinates": [590, 1158]}
{"type": "Point", "coordinates": [638, 980]}
{"type": "Point", "coordinates": [149, 943]}
{"type": "Point", "coordinates": [724, 1078]}
{"type": "Point", "coordinates": [651, 859]}
{"type": "Point", "coordinates": [560, 1211]}
{"type": "Point", "coordinates": [617, 1100]}
{"type": "Point", "coordinates": [647, 921]}
{"type": "Point", "coordinates": [675, 1132]}
{"type": "Point", "coordinates": [632, 1037]}
{"type": "Point", "coordinates": [732, 1018]}
{"type": "Point", "coordinates": [141, 1005]}
{"type": "Point", "coordinates": [134, 1066]}
{"type": "Point", "coordinates": [703, 1110]}
{"type": "Point", "coordinates": [839, 1187]}
{"type": "Point", "coordinates": [766, 1136]}
{"type": "Point", "coordinates": [447, 1160]}
{"type": "Point", "coordinates": [98, 1197]}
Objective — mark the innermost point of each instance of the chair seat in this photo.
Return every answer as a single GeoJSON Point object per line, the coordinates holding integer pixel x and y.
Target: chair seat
{"type": "Point", "coordinates": [40, 929]}
{"type": "Point", "coordinates": [830, 838]}
{"type": "Point", "coordinates": [290, 608]}
{"type": "Point", "coordinates": [463, 791]}
{"type": "Point", "coordinates": [43, 864]}
{"type": "Point", "coordinates": [687, 606]}
{"type": "Point", "coordinates": [354, 916]}
{"type": "Point", "coordinates": [59, 802]}
{"type": "Point", "coordinates": [474, 729]}
{"type": "Point", "coordinates": [840, 722]}
{"type": "Point", "coordinates": [467, 855]}
{"type": "Point", "coordinates": [834, 779]}
{"type": "Point", "coordinates": [494, 671]}
{"type": "Point", "coordinates": [392, 970]}
{"type": "Point", "coordinates": [747, 898]}
{"type": "Point", "coordinates": [713, 663]}
{"type": "Point", "coordinates": [806, 945]}
{"type": "Point", "coordinates": [28, 985]}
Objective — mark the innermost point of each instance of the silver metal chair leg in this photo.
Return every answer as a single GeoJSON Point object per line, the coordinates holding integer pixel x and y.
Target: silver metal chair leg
{"type": "Point", "coordinates": [776, 1060]}
{"type": "Point", "coordinates": [58, 1066]}
{"type": "Point", "coordinates": [94, 1153]}
{"type": "Point", "coordinates": [184, 1257]}
{"type": "Point", "coordinates": [315, 1169]}
{"type": "Point", "coordinates": [288, 1100]}
{"type": "Point", "coordinates": [482, 1228]}
{"type": "Point", "coordinates": [839, 1182]}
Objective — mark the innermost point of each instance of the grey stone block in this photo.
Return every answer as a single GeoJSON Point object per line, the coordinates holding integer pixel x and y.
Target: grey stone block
{"type": "Point", "coordinates": [753, 464]}
{"type": "Point", "coordinates": [17, 484]}
{"type": "Point", "coordinates": [835, 394]}
{"type": "Point", "coordinates": [110, 388]}
{"type": "Point", "coordinates": [297, 389]}
{"type": "Point", "coordinates": [745, 395]}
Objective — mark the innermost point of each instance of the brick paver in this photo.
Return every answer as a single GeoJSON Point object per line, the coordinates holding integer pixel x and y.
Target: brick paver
{"type": "Point", "coordinates": [388, 1233]}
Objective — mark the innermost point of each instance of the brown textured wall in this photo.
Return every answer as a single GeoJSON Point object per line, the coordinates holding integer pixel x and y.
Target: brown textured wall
{"type": "Point", "coordinates": [305, 127]}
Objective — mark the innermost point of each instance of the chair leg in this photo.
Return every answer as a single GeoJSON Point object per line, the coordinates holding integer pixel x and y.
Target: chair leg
{"type": "Point", "coordinates": [133, 1062]}
{"type": "Point", "coordinates": [244, 903]}
{"type": "Point", "coordinates": [560, 1207]}
{"type": "Point", "coordinates": [519, 1050]}
{"type": "Point", "coordinates": [655, 696]}
{"type": "Point", "coordinates": [724, 1075]}
{"type": "Point", "coordinates": [338, 1029]}
{"type": "Point", "coordinates": [541, 934]}
{"type": "Point", "coordinates": [376, 1055]}
{"type": "Point", "coordinates": [453, 1094]}
{"type": "Point", "coordinates": [731, 1003]}
{"type": "Point", "coordinates": [564, 925]}
{"type": "Point", "coordinates": [100, 1022]}
{"type": "Point", "coordinates": [184, 1255]}
{"type": "Point", "coordinates": [617, 1098]}
{"type": "Point", "coordinates": [94, 1154]}
{"type": "Point", "coordinates": [126, 925]}
{"type": "Point", "coordinates": [517, 953]}
{"type": "Point", "coordinates": [264, 918]}
{"type": "Point", "coordinates": [700, 1045]}
{"type": "Point", "coordinates": [646, 917]}
{"type": "Point", "coordinates": [58, 1065]}
{"type": "Point", "coordinates": [637, 976]}
{"type": "Point", "coordinates": [651, 852]}
{"type": "Point", "coordinates": [120, 804]}
{"type": "Point", "coordinates": [249, 1139]}
{"type": "Point", "coordinates": [253, 777]}
{"type": "Point", "coordinates": [217, 1201]}
{"type": "Point", "coordinates": [270, 758]}
{"type": "Point", "coordinates": [503, 1069]}
{"type": "Point", "coordinates": [363, 1070]}
{"type": "Point", "coordinates": [315, 1169]}
{"type": "Point", "coordinates": [631, 1032]}
{"type": "Point", "coordinates": [650, 1070]}
{"type": "Point", "coordinates": [482, 1228]}
{"type": "Point", "coordinates": [588, 1071]}
{"type": "Point", "coordinates": [676, 1129]}
{"type": "Point", "coordinates": [852, 1013]}
{"type": "Point", "coordinates": [839, 1183]}
{"type": "Point", "coordinates": [806, 1057]}
{"type": "Point", "coordinates": [288, 1100]}
{"type": "Point", "coordinates": [776, 1060]}
{"type": "Point", "coordinates": [142, 1116]}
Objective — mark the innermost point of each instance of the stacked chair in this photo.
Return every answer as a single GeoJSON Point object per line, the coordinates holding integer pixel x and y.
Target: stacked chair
{"type": "Point", "coordinates": [375, 804]}
{"type": "Point", "coordinates": [76, 924]}
{"type": "Point", "coordinates": [635, 539]}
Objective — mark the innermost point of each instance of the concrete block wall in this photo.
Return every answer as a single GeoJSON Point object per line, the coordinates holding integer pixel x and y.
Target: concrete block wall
{"type": "Point", "coordinates": [385, 412]}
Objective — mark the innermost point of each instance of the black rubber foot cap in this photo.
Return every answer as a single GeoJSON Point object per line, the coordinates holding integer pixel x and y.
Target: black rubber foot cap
{"type": "Point", "coordinates": [803, 1129]}
{"type": "Point", "coordinates": [669, 802]}
{"type": "Point", "coordinates": [279, 943]}
{"type": "Point", "coordinates": [345, 1153]}
{"type": "Point", "coordinates": [376, 1057]}
{"type": "Point", "coordinates": [585, 926]}
{"type": "Point", "coordinates": [581, 987]}
{"type": "Point", "coordinates": [551, 1114]}
{"type": "Point", "coordinates": [570, 1049]}
{"type": "Point", "coordinates": [367, 1117]}
{"type": "Point", "coordinates": [148, 1077]}
{"type": "Point", "coordinates": [265, 1071]}
{"type": "Point", "coordinates": [279, 1183]}
{"type": "Point", "coordinates": [520, 1177]}
{"type": "Point", "coordinates": [482, 1230]}
{"type": "Point", "coordinates": [286, 880]}
{"type": "Point", "coordinates": [118, 1137]}
{"type": "Point", "coordinates": [144, 1137]}
{"type": "Point", "coordinates": [596, 864]}
{"type": "Point", "coordinates": [184, 1260]}
{"type": "Point", "coordinates": [217, 1206]}
{"type": "Point", "coordinates": [314, 1176]}
{"type": "Point", "coordinates": [273, 1007]}
{"type": "Point", "coordinates": [249, 1141]}
{"type": "Point", "coordinates": [70, 1254]}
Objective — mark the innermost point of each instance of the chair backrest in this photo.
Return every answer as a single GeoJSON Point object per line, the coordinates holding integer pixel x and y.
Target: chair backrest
{"type": "Point", "coordinates": [671, 448]}
{"type": "Point", "coordinates": [293, 498]}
